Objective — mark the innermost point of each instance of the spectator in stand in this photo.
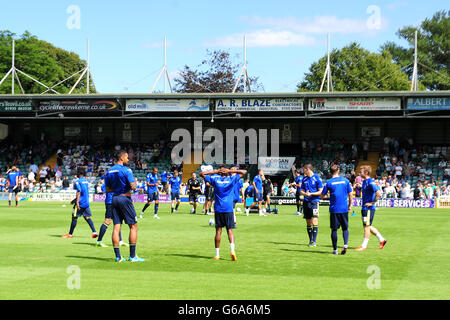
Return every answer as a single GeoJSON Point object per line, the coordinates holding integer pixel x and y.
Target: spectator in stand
{"type": "Point", "coordinates": [417, 191]}
{"type": "Point", "coordinates": [405, 192]}
{"type": "Point", "coordinates": [442, 164]}
{"type": "Point", "coordinates": [389, 192]}
{"type": "Point", "coordinates": [42, 175]}
{"type": "Point", "coordinates": [398, 171]}
{"type": "Point", "coordinates": [65, 183]}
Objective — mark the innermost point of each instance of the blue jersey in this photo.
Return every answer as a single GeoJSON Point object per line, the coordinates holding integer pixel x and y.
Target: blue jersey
{"type": "Point", "coordinates": [298, 180]}
{"type": "Point", "coordinates": [152, 178]}
{"type": "Point", "coordinates": [249, 191]}
{"type": "Point", "coordinates": [119, 178]}
{"type": "Point", "coordinates": [369, 189]}
{"type": "Point", "coordinates": [311, 184]}
{"type": "Point", "coordinates": [175, 184]}
{"type": "Point", "coordinates": [223, 191]}
{"type": "Point", "coordinates": [339, 189]}
{"type": "Point", "coordinates": [258, 183]}
{"type": "Point", "coordinates": [164, 176]}
{"type": "Point", "coordinates": [237, 190]}
{"type": "Point", "coordinates": [109, 195]}
{"type": "Point", "coordinates": [12, 175]}
{"type": "Point", "coordinates": [82, 186]}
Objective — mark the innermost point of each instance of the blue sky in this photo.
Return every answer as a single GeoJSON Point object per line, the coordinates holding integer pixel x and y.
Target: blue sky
{"type": "Point", "coordinates": [283, 37]}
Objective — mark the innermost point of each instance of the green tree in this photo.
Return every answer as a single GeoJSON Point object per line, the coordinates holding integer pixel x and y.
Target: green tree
{"type": "Point", "coordinates": [42, 61]}
{"type": "Point", "coordinates": [356, 69]}
{"type": "Point", "coordinates": [433, 47]}
{"type": "Point", "coordinates": [217, 73]}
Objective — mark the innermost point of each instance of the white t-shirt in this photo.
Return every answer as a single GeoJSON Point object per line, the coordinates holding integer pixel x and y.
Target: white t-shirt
{"type": "Point", "coordinates": [398, 170]}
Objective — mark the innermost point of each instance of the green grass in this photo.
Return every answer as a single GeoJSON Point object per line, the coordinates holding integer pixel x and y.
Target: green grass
{"type": "Point", "coordinates": [274, 261]}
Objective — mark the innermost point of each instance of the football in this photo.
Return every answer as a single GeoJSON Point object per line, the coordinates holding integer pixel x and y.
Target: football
{"type": "Point", "coordinates": [211, 222]}
{"type": "Point", "coordinates": [192, 210]}
{"type": "Point", "coordinates": [238, 209]}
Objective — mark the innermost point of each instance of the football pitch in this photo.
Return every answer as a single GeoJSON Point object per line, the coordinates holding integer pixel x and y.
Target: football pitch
{"type": "Point", "coordinates": [274, 260]}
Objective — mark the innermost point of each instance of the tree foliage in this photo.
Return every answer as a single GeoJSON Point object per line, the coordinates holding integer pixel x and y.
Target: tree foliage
{"type": "Point", "coordinates": [433, 46]}
{"type": "Point", "coordinates": [42, 61]}
{"type": "Point", "coordinates": [356, 69]}
{"type": "Point", "coordinates": [217, 73]}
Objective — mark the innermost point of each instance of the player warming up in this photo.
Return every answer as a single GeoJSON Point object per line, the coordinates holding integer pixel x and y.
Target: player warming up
{"type": "Point", "coordinates": [194, 188]}
{"type": "Point", "coordinates": [370, 195]}
{"type": "Point", "coordinates": [120, 181]}
{"type": "Point", "coordinates": [152, 192]}
{"type": "Point", "coordinates": [224, 186]}
{"type": "Point", "coordinates": [175, 183]}
{"type": "Point", "coordinates": [82, 205]}
{"type": "Point", "coordinates": [297, 184]}
{"type": "Point", "coordinates": [13, 175]}
{"type": "Point", "coordinates": [341, 197]}
{"type": "Point", "coordinates": [311, 190]}
{"type": "Point", "coordinates": [108, 219]}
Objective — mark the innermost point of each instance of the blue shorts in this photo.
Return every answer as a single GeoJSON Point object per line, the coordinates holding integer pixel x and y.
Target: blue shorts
{"type": "Point", "coordinates": [310, 209]}
{"type": "Point", "coordinates": [109, 211]}
{"type": "Point", "coordinates": [367, 220]}
{"type": "Point", "coordinates": [224, 220]}
{"type": "Point", "coordinates": [11, 189]}
{"type": "Point", "coordinates": [258, 196]}
{"type": "Point", "coordinates": [174, 196]}
{"type": "Point", "coordinates": [152, 196]}
{"type": "Point", "coordinates": [123, 210]}
{"type": "Point", "coordinates": [83, 212]}
{"type": "Point", "coordinates": [338, 220]}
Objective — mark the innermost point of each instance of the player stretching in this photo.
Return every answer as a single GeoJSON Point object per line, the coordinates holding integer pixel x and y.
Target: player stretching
{"type": "Point", "coordinates": [13, 179]}
{"type": "Point", "coordinates": [194, 189]}
{"type": "Point", "coordinates": [108, 219]}
{"type": "Point", "coordinates": [341, 197]}
{"type": "Point", "coordinates": [120, 181]}
{"type": "Point", "coordinates": [311, 190]}
{"type": "Point", "coordinates": [152, 192]}
{"type": "Point", "coordinates": [297, 184]}
{"type": "Point", "coordinates": [209, 198]}
{"type": "Point", "coordinates": [237, 193]}
{"type": "Point", "coordinates": [82, 204]}
{"type": "Point", "coordinates": [223, 185]}
{"type": "Point", "coordinates": [370, 195]}
{"type": "Point", "coordinates": [258, 185]}
{"type": "Point", "coordinates": [175, 183]}
{"type": "Point", "coordinates": [249, 193]}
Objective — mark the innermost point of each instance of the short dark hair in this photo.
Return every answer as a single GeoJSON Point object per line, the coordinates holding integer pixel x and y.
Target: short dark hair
{"type": "Point", "coordinates": [119, 154]}
{"type": "Point", "coordinates": [308, 165]}
{"type": "Point", "coordinates": [334, 168]}
{"type": "Point", "coordinates": [222, 166]}
{"type": "Point", "coordinates": [81, 172]}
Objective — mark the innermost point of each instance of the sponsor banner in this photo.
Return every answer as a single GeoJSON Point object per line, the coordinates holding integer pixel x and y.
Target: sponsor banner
{"type": "Point", "coordinates": [399, 203]}
{"type": "Point", "coordinates": [16, 106]}
{"type": "Point", "coordinates": [276, 104]}
{"type": "Point", "coordinates": [78, 106]}
{"type": "Point", "coordinates": [354, 104]}
{"type": "Point", "coordinates": [438, 103]}
{"type": "Point", "coordinates": [167, 105]}
{"type": "Point", "coordinates": [275, 165]}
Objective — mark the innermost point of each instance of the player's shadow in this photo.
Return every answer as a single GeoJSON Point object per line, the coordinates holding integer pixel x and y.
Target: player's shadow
{"type": "Point", "coordinates": [85, 243]}
{"type": "Point", "coordinates": [308, 251]}
{"type": "Point", "coordinates": [91, 258]}
{"type": "Point", "coordinates": [189, 256]}
{"type": "Point", "coordinates": [301, 244]}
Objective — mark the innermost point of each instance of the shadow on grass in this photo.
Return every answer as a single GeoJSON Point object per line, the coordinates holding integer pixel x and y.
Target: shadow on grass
{"type": "Point", "coordinates": [189, 256]}
{"type": "Point", "coordinates": [308, 251]}
{"type": "Point", "coordinates": [85, 243]}
{"type": "Point", "coordinates": [302, 244]}
{"type": "Point", "coordinates": [91, 258]}
{"type": "Point", "coordinates": [55, 235]}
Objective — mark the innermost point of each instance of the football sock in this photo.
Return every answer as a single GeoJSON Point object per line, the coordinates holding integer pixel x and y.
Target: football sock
{"type": "Point", "coordinates": [145, 207]}
{"type": "Point", "coordinates": [91, 224]}
{"type": "Point", "coordinates": [117, 252]}
{"type": "Point", "coordinates": [156, 208]}
{"type": "Point", "coordinates": [309, 228]}
{"type": "Point", "coordinates": [17, 203]}
{"type": "Point", "coordinates": [380, 237]}
{"type": "Point", "coordinates": [334, 238]}
{"type": "Point", "coordinates": [72, 226]}
{"type": "Point", "coordinates": [315, 231]}
{"type": "Point", "coordinates": [120, 236]}
{"type": "Point", "coordinates": [176, 207]}
{"type": "Point", "coordinates": [345, 234]}
{"type": "Point", "coordinates": [217, 252]}
{"type": "Point", "coordinates": [298, 207]}
{"type": "Point", "coordinates": [132, 250]}
{"type": "Point", "coordinates": [102, 232]}
{"type": "Point", "coordinates": [365, 242]}
{"type": "Point", "coordinates": [232, 247]}
{"type": "Point", "coordinates": [9, 203]}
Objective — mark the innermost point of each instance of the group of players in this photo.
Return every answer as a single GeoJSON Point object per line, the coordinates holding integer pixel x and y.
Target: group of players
{"type": "Point", "coordinates": [224, 188]}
